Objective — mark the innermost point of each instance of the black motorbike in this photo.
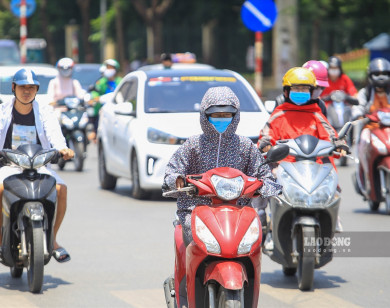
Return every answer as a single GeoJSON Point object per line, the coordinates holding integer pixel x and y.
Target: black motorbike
{"type": "Point", "coordinates": [74, 120]}
{"type": "Point", "coordinates": [29, 211]}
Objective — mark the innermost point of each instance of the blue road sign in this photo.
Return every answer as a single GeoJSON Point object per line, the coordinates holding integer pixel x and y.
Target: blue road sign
{"type": "Point", "coordinates": [259, 15]}
{"type": "Point", "coordinates": [30, 7]}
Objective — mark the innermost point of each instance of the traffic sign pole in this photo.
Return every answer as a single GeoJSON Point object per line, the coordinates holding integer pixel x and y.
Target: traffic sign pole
{"type": "Point", "coordinates": [258, 61]}
{"type": "Point", "coordinates": [23, 31]}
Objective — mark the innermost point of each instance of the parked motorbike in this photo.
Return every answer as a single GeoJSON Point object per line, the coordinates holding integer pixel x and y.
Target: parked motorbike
{"type": "Point", "coordinates": [74, 120]}
{"type": "Point", "coordinates": [221, 266]}
{"type": "Point", "coordinates": [304, 216]}
{"type": "Point", "coordinates": [339, 112]}
{"type": "Point", "coordinates": [29, 211]}
{"type": "Point", "coordinates": [372, 176]}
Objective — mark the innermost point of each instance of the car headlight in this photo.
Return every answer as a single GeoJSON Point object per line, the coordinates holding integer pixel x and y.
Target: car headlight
{"type": "Point", "coordinates": [68, 123]}
{"type": "Point", "coordinates": [21, 160]}
{"type": "Point", "coordinates": [204, 234]}
{"type": "Point", "coordinates": [42, 159]}
{"type": "Point", "coordinates": [227, 189]}
{"type": "Point", "coordinates": [157, 136]}
{"type": "Point", "coordinates": [380, 146]}
{"type": "Point", "coordinates": [299, 197]}
{"type": "Point", "coordinates": [250, 237]}
{"type": "Point", "coordinates": [84, 120]}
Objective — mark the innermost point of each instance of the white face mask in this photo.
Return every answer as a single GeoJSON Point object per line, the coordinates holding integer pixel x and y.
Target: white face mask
{"type": "Point", "coordinates": [335, 72]}
{"type": "Point", "coordinates": [109, 73]}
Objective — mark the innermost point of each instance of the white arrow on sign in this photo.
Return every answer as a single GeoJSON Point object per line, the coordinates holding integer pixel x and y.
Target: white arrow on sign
{"type": "Point", "coordinates": [264, 20]}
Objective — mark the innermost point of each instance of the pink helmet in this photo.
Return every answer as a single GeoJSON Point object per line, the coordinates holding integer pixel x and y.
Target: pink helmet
{"type": "Point", "coordinates": [319, 70]}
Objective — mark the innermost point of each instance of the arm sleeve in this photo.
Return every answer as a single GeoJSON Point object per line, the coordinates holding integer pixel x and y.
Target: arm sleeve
{"type": "Point", "coordinates": [351, 89]}
{"type": "Point", "coordinates": [53, 129]}
{"type": "Point", "coordinates": [177, 167]}
{"type": "Point", "coordinates": [270, 186]}
{"type": "Point", "coordinates": [79, 91]}
{"type": "Point", "coordinates": [50, 91]}
{"type": "Point", "coordinates": [359, 110]}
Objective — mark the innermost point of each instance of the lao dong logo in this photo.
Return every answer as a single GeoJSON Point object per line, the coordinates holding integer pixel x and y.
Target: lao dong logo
{"type": "Point", "coordinates": [323, 244]}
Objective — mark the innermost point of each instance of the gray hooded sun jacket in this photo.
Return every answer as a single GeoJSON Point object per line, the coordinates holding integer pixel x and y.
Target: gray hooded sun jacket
{"type": "Point", "coordinates": [210, 150]}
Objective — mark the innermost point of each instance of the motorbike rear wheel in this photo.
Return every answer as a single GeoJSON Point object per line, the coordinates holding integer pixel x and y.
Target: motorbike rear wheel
{"type": "Point", "coordinates": [289, 271]}
{"type": "Point", "coordinates": [374, 205]}
{"type": "Point", "coordinates": [16, 272]}
{"type": "Point", "coordinates": [35, 263]}
{"type": "Point", "coordinates": [229, 298]}
{"type": "Point", "coordinates": [306, 259]}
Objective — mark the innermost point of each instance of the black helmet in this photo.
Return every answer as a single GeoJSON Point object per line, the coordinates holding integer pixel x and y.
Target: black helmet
{"type": "Point", "coordinates": [334, 62]}
{"type": "Point", "coordinates": [379, 72]}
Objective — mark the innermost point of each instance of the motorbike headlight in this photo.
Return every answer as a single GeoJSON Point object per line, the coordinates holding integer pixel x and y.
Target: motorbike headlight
{"type": "Point", "coordinates": [84, 120]}
{"type": "Point", "coordinates": [157, 136]}
{"type": "Point", "coordinates": [42, 159]}
{"type": "Point", "coordinates": [21, 160]}
{"type": "Point", "coordinates": [299, 197]}
{"type": "Point", "coordinates": [204, 234]}
{"type": "Point", "coordinates": [68, 123]}
{"type": "Point", "coordinates": [227, 189]}
{"type": "Point", "coordinates": [380, 146]}
{"type": "Point", "coordinates": [250, 237]}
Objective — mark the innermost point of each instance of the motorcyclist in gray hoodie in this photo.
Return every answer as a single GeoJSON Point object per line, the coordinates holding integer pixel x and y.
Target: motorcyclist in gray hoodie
{"type": "Point", "coordinates": [218, 146]}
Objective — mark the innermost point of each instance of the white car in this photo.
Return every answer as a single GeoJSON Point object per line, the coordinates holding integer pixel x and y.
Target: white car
{"type": "Point", "coordinates": [151, 113]}
{"type": "Point", "coordinates": [44, 73]}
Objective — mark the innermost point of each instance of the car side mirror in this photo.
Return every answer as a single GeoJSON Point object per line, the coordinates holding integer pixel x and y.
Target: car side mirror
{"type": "Point", "coordinates": [270, 106]}
{"type": "Point", "coordinates": [124, 109]}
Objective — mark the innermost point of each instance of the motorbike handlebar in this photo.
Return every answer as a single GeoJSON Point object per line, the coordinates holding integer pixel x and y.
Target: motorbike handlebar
{"type": "Point", "coordinates": [187, 189]}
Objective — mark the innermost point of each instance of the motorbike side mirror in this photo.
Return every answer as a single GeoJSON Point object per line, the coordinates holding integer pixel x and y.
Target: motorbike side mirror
{"type": "Point", "coordinates": [270, 106]}
{"type": "Point", "coordinates": [276, 153]}
{"type": "Point", "coordinates": [345, 129]}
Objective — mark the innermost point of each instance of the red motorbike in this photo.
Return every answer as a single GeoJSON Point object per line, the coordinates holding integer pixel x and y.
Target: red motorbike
{"type": "Point", "coordinates": [372, 177]}
{"type": "Point", "coordinates": [221, 266]}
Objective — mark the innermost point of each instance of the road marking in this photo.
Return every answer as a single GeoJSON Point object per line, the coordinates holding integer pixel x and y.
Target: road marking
{"type": "Point", "coordinates": [151, 298]}
{"type": "Point", "coordinates": [298, 299]}
{"type": "Point", "coordinates": [15, 301]}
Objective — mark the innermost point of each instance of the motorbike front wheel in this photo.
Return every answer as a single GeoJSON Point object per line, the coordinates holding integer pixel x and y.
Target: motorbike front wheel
{"type": "Point", "coordinates": [78, 148]}
{"type": "Point", "coordinates": [229, 298]}
{"type": "Point", "coordinates": [35, 263]}
{"type": "Point", "coordinates": [306, 259]}
{"type": "Point", "coordinates": [374, 205]}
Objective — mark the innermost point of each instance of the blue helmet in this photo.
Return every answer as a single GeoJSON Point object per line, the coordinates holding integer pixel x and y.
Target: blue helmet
{"type": "Point", "coordinates": [25, 77]}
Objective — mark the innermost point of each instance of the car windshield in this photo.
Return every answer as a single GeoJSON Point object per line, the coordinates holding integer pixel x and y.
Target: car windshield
{"type": "Point", "coordinates": [87, 76]}
{"type": "Point", "coordinates": [6, 84]}
{"type": "Point", "coordinates": [185, 93]}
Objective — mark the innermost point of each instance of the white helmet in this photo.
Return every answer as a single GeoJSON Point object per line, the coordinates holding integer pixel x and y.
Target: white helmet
{"type": "Point", "coordinates": [65, 67]}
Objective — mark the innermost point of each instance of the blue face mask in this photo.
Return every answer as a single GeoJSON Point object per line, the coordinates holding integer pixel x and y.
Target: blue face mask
{"type": "Point", "coordinates": [299, 98]}
{"type": "Point", "coordinates": [220, 124]}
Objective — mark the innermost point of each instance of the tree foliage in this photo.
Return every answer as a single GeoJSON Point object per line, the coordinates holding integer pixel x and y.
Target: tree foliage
{"type": "Point", "coordinates": [325, 27]}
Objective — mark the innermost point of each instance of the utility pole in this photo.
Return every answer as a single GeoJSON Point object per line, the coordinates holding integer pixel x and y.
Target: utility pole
{"type": "Point", "coordinates": [103, 29]}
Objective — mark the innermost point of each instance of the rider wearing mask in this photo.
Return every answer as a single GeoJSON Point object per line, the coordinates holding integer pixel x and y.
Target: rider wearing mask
{"type": "Point", "coordinates": [298, 115]}
{"type": "Point", "coordinates": [64, 85]}
{"type": "Point", "coordinates": [339, 81]}
{"type": "Point", "coordinates": [106, 84]}
{"type": "Point", "coordinates": [218, 146]}
{"type": "Point", "coordinates": [321, 74]}
{"type": "Point", "coordinates": [376, 94]}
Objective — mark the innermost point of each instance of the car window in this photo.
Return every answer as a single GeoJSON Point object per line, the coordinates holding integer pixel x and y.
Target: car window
{"type": "Point", "coordinates": [86, 75]}
{"type": "Point", "coordinates": [127, 93]}
{"type": "Point", "coordinates": [185, 93]}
